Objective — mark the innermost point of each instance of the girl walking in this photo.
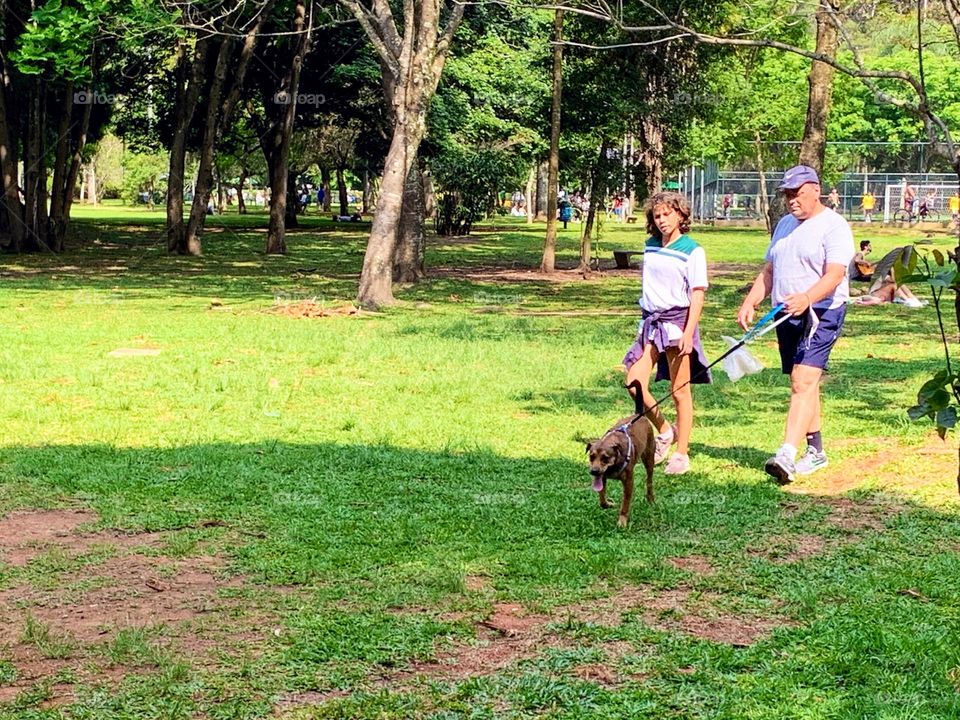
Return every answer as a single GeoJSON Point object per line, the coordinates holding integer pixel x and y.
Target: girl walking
{"type": "Point", "coordinates": [674, 283]}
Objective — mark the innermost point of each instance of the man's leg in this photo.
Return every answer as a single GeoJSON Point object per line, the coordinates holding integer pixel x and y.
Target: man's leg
{"type": "Point", "coordinates": [804, 414]}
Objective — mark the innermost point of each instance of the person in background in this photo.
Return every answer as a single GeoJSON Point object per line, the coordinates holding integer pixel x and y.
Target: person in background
{"type": "Point", "coordinates": [868, 202]}
{"type": "Point", "coordinates": [833, 200]}
{"type": "Point", "coordinates": [928, 203]}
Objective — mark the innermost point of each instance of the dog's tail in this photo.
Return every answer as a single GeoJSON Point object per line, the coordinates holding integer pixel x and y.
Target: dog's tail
{"type": "Point", "coordinates": [637, 393]}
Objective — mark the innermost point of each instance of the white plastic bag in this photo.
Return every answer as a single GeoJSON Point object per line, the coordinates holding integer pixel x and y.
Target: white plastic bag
{"type": "Point", "coordinates": [740, 362]}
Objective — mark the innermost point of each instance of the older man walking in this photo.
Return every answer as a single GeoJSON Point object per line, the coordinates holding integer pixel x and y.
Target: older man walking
{"type": "Point", "coordinates": [806, 270]}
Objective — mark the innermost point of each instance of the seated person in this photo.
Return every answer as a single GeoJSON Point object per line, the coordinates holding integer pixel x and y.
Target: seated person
{"type": "Point", "coordinates": [889, 291]}
{"type": "Point", "coordinates": [860, 267]}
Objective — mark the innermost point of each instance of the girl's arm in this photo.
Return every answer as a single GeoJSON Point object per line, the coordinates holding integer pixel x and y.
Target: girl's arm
{"type": "Point", "coordinates": [693, 319]}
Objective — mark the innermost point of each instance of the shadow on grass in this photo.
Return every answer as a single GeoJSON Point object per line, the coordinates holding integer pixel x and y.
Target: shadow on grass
{"type": "Point", "coordinates": [381, 537]}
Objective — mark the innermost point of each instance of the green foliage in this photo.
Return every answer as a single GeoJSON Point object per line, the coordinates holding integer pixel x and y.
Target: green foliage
{"type": "Point", "coordinates": [469, 179]}
{"type": "Point", "coordinates": [142, 173]}
{"type": "Point", "coordinates": [58, 39]}
{"type": "Point", "coordinates": [939, 397]}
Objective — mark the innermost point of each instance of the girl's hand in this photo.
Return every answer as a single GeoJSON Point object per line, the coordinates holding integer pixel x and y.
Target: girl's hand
{"type": "Point", "coordinates": [686, 344]}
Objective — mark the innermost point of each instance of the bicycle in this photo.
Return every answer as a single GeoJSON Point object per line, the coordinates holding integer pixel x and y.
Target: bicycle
{"type": "Point", "coordinates": [922, 215]}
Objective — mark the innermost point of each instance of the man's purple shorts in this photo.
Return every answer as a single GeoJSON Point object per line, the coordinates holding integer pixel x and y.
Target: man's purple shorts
{"type": "Point", "coordinates": [796, 348]}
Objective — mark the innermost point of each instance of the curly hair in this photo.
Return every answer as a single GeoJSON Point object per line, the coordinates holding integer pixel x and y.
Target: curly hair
{"type": "Point", "coordinates": [671, 199]}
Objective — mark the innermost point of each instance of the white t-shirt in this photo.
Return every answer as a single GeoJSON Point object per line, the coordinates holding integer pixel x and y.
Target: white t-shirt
{"type": "Point", "coordinates": [669, 274]}
{"type": "Point", "coordinates": [800, 251]}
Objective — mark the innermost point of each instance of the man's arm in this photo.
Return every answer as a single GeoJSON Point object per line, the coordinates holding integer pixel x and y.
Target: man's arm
{"type": "Point", "coordinates": [761, 288]}
{"type": "Point", "coordinates": [798, 303]}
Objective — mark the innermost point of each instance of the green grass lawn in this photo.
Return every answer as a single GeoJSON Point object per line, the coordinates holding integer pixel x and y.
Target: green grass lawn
{"type": "Point", "coordinates": [388, 515]}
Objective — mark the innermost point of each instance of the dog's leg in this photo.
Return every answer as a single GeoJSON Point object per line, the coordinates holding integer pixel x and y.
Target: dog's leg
{"type": "Point", "coordinates": [604, 503]}
{"type": "Point", "coordinates": [648, 466]}
{"type": "Point", "coordinates": [627, 497]}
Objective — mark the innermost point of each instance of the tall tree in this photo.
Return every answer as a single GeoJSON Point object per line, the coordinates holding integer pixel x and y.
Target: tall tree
{"type": "Point", "coordinates": [190, 65]}
{"type": "Point", "coordinates": [548, 262]}
{"type": "Point", "coordinates": [222, 99]}
{"type": "Point", "coordinates": [414, 59]}
{"type": "Point", "coordinates": [281, 130]}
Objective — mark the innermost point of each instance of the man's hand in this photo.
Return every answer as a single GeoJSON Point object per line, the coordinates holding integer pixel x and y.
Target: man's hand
{"type": "Point", "coordinates": [797, 303]}
{"type": "Point", "coordinates": [745, 316]}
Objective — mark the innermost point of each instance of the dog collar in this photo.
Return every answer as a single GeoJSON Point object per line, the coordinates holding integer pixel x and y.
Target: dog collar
{"type": "Point", "coordinates": [625, 429]}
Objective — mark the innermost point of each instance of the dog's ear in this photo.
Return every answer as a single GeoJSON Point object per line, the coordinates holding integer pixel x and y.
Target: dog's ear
{"type": "Point", "coordinates": [590, 445]}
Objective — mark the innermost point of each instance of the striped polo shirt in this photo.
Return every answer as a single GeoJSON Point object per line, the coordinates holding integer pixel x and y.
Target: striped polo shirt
{"type": "Point", "coordinates": [670, 273]}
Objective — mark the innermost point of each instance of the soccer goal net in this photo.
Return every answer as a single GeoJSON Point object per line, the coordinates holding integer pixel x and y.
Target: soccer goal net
{"type": "Point", "coordinates": [902, 199]}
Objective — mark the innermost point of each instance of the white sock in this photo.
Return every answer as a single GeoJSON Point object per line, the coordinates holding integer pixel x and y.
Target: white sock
{"type": "Point", "coordinates": [789, 450]}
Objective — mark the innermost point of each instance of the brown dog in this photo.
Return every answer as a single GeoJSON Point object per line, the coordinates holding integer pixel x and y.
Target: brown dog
{"type": "Point", "coordinates": [615, 455]}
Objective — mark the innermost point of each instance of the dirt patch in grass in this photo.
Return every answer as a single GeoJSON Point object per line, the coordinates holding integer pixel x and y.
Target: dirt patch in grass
{"type": "Point", "coordinates": [313, 309]}
{"type": "Point", "coordinates": [926, 471]}
{"type": "Point", "coordinates": [697, 564]}
{"type": "Point", "coordinates": [19, 530]}
{"type": "Point", "coordinates": [95, 585]}
{"type": "Point", "coordinates": [789, 548]}
{"type": "Point", "coordinates": [514, 274]}
{"type": "Point", "coordinates": [848, 514]}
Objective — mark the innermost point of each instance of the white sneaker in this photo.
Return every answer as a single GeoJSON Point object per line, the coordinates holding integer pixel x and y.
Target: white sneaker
{"type": "Point", "coordinates": [811, 461]}
{"type": "Point", "coordinates": [781, 468]}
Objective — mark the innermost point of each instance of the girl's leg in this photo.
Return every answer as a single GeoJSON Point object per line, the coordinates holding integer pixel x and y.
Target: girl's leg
{"type": "Point", "coordinates": [682, 397]}
{"type": "Point", "coordinates": [639, 375]}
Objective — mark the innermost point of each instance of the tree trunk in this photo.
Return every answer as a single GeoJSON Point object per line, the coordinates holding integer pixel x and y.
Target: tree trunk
{"type": "Point", "coordinates": [35, 171]}
{"type": "Point", "coordinates": [221, 193]}
{"type": "Point", "coordinates": [408, 256]}
{"type": "Point", "coordinates": [218, 116]}
{"type": "Point", "coordinates": [528, 194]}
{"type": "Point", "coordinates": [204, 183]}
{"type": "Point", "coordinates": [279, 206]}
{"type": "Point", "coordinates": [429, 194]}
{"type": "Point", "coordinates": [189, 80]}
{"type": "Point", "coordinates": [241, 203]}
{"type": "Point", "coordinates": [367, 207]}
{"type": "Point", "coordinates": [377, 274]}
{"type": "Point", "coordinates": [57, 228]}
{"type": "Point", "coordinates": [548, 262]}
{"type": "Point", "coordinates": [764, 208]}
{"type": "Point", "coordinates": [290, 218]}
{"type": "Point", "coordinates": [8, 171]}
{"type": "Point", "coordinates": [543, 171]}
{"type": "Point", "coordinates": [651, 155]}
{"type": "Point", "coordinates": [342, 193]}
{"type": "Point", "coordinates": [592, 189]}
{"type": "Point", "coordinates": [415, 62]}
{"type": "Point", "coordinates": [820, 81]}
{"type": "Point", "coordinates": [325, 182]}
{"type": "Point", "coordinates": [93, 189]}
